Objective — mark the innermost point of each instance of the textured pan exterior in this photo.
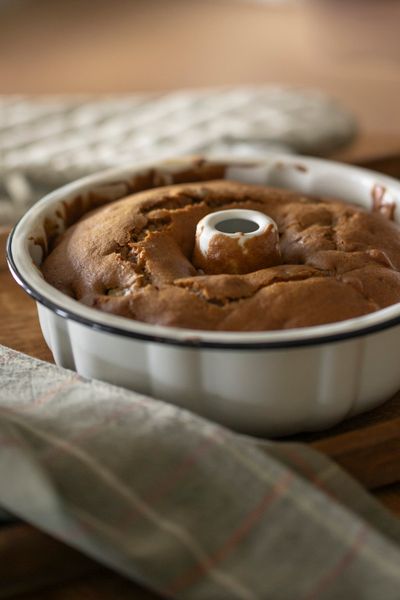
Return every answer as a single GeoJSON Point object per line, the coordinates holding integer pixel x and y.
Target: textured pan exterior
{"type": "Point", "coordinates": [269, 392]}
{"type": "Point", "coordinates": [255, 389]}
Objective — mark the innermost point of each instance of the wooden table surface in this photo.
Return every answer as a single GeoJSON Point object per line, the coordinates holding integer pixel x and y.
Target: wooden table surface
{"type": "Point", "coordinates": [35, 566]}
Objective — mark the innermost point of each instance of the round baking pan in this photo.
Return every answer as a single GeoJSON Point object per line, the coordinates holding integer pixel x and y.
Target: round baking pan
{"type": "Point", "coordinates": [268, 382]}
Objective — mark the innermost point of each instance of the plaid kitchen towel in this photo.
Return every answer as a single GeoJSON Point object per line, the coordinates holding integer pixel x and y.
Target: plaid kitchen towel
{"type": "Point", "coordinates": [181, 505]}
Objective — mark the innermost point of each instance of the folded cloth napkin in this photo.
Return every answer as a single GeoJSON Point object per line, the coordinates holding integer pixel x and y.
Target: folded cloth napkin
{"type": "Point", "coordinates": [180, 504]}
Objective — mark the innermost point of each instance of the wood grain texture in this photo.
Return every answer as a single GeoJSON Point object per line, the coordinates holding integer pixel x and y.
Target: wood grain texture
{"type": "Point", "coordinates": [104, 586]}
{"type": "Point", "coordinates": [371, 454]}
{"type": "Point", "coordinates": [35, 563]}
{"type": "Point", "coordinates": [19, 325]}
{"type": "Point", "coordinates": [390, 497]}
{"type": "Point", "coordinates": [31, 560]}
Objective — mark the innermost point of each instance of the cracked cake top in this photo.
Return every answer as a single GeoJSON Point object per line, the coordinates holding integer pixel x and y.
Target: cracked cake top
{"type": "Point", "coordinates": [134, 257]}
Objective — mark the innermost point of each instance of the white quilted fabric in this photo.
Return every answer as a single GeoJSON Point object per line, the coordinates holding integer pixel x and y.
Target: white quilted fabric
{"type": "Point", "coordinates": [47, 141]}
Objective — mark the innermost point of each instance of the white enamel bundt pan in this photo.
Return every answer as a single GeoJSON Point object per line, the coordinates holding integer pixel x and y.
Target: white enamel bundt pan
{"type": "Point", "coordinates": [267, 383]}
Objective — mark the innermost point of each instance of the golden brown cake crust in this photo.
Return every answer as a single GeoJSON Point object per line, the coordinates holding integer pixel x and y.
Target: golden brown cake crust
{"type": "Point", "coordinates": [133, 257]}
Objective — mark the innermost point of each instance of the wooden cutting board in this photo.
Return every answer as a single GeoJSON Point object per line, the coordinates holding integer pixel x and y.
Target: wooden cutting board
{"type": "Point", "coordinates": [367, 446]}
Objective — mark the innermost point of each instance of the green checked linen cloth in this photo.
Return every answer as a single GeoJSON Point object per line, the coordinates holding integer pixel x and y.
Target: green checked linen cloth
{"type": "Point", "coordinates": [182, 505]}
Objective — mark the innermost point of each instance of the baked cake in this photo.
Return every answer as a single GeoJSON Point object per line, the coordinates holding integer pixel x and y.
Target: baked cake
{"type": "Point", "coordinates": [134, 257]}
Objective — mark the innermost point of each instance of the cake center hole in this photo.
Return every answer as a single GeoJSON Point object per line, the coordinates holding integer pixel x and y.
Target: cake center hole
{"type": "Point", "coordinates": [236, 226]}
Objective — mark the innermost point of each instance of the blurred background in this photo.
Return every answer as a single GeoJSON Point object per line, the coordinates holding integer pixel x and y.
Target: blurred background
{"type": "Point", "coordinates": [348, 49]}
